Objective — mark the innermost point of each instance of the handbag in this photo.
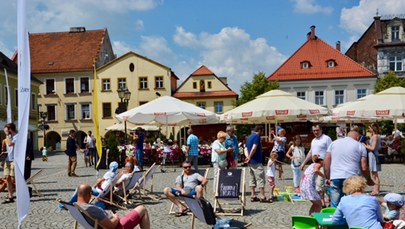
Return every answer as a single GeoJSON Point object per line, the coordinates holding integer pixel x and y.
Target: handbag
{"type": "Point", "coordinates": [389, 225]}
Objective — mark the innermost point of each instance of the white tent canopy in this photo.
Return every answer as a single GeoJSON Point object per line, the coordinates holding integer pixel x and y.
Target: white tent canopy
{"type": "Point", "coordinates": [167, 110]}
{"type": "Point", "coordinates": [274, 106]}
{"type": "Point", "coordinates": [387, 104]}
{"type": "Point", "coordinates": [131, 127]}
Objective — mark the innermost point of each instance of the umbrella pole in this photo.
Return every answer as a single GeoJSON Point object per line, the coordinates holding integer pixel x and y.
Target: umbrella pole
{"type": "Point", "coordinates": [167, 128]}
{"type": "Point", "coordinates": [395, 124]}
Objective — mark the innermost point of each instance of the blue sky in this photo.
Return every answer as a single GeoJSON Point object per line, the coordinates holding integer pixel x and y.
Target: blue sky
{"type": "Point", "coordinates": [234, 38]}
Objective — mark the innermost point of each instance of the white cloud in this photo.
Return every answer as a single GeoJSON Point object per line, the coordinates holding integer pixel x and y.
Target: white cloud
{"type": "Point", "coordinates": [358, 18]}
{"type": "Point", "coordinates": [231, 53]}
{"type": "Point", "coordinates": [139, 25]}
{"type": "Point", "coordinates": [6, 50]}
{"type": "Point", "coordinates": [310, 7]}
{"type": "Point", "coordinates": [156, 48]}
{"type": "Point", "coordinates": [120, 48]}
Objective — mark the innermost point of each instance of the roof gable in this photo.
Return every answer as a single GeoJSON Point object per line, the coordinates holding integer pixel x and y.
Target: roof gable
{"type": "Point", "coordinates": [317, 53]}
{"type": "Point", "coordinates": [203, 71]}
{"type": "Point", "coordinates": [65, 51]}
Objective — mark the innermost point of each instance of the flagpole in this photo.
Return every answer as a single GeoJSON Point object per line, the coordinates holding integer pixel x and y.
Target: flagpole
{"type": "Point", "coordinates": [99, 146]}
{"type": "Point", "coordinates": [9, 115]}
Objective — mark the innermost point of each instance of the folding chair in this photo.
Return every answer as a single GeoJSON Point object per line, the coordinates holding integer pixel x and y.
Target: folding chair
{"type": "Point", "coordinates": [31, 181]}
{"type": "Point", "coordinates": [148, 176]}
{"type": "Point", "coordinates": [202, 172]}
{"type": "Point", "coordinates": [81, 216]}
{"type": "Point", "coordinates": [229, 184]}
{"type": "Point", "coordinates": [107, 195]}
{"type": "Point", "coordinates": [124, 190]}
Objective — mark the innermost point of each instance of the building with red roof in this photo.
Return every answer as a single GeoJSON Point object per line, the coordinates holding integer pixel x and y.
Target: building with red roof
{"type": "Point", "coordinates": [321, 74]}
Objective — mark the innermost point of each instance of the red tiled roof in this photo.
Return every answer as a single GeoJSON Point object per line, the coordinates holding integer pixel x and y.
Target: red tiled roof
{"type": "Point", "coordinates": [183, 95]}
{"type": "Point", "coordinates": [318, 53]}
{"type": "Point", "coordinates": [202, 71]}
{"type": "Point", "coordinates": [65, 51]}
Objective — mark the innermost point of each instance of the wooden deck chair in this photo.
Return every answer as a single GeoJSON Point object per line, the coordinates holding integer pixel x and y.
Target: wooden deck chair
{"type": "Point", "coordinates": [31, 181]}
{"type": "Point", "coordinates": [202, 172]}
{"type": "Point", "coordinates": [230, 191]}
{"type": "Point", "coordinates": [81, 216]}
{"type": "Point", "coordinates": [107, 195]}
{"type": "Point", "coordinates": [124, 190]}
{"type": "Point", "coordinates": [148, 176]}
{"type": "Point", "coordinates": [204, 214]}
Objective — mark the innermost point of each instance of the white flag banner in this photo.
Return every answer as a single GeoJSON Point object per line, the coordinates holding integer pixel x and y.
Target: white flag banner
{"type": "Point", "coordinates": [9, 117]}
{"type": "Point", "coordinates": [24, 94]}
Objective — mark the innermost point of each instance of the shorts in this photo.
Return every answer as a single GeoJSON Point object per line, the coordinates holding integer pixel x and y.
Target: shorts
{"type": "Point", "coordinates": [191, 191]}
{"type": "Point", "coordinates": [256, 175]}
{"type": "Point", "coordinates": [9, 168]}
{"type": "Point", "coordinates": [271, 181]}
{"type": "Point", "coordinates": [281, 156]}
{"type": "Point", "coordinates": [130, 220]}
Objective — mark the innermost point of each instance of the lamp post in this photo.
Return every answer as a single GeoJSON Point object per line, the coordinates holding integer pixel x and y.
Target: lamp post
{"type": "Point", "coordinates": [44, 127]}
{"type": "Point", "coordinates": [125, 95]}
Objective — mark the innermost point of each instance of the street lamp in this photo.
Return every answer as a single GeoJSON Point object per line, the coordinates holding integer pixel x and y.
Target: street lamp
{"type": "Point", "coordinates": [125, 95]}
{"type": "Point", "coordinates": [44, 127]}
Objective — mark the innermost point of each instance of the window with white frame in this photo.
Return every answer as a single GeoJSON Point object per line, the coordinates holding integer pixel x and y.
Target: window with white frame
{"type": "Point", "coordinates": [395, 63]}
{"type": "Point", "coordinates": [143, 82]}
{"type": "Point", "coordinates": [331, 63]}
{"type": "Point", "coordinates": [33, 102]}
{"type": "Point", "coordinates": [86, 115]}
{"type": "Point", "coordinates": [201, 105]}
{"type": "Point", "coordinates": [158, 82]}
{"type": "Point", "coordinates": [84, 85]}
{"type": "Point", "coordinates": [51, 111]}
{"type": "Point", "coordinates": [70, 112]}
{"type": "Point", "coordinates": [301, 95]}
{"type": "Point", "coordinates": [339, 96]}
{"type": "Point", "coordinates": [219, 107]}
{"type": "Point", "coordinates": [50, 86]}
{"type": "Point", "coordinates": [69, 85]}
{"type": "Point", "coordinates": [361, 92]}
{"type": "Point", "coordinates": [106, 85]}
{"type": "Point", "coordinates": [319, 97]}
{"type": "Point", "coordinates": [122, 83]}
{"type": "Point", "coordinates": [305, 64]}
{"type": "Point", "coordinates": [395, 33]}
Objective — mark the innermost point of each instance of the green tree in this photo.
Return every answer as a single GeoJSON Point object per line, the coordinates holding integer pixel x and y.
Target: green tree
{"type": "Point", "coordinates": [259, 85]}
{"type": "Point", "coordinates": [387, 81]}
{"type": "Point", "coordinates": [249, 90]}
{"type": "Point", "coordinates": [383, 83]}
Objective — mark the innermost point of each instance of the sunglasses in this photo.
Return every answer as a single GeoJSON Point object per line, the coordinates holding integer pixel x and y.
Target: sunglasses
{"type": "Point", "coordinates": [186, 167]}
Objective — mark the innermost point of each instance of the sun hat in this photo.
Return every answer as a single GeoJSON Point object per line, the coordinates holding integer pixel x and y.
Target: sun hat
{"type": "Point", "coordinates": [394, 198]}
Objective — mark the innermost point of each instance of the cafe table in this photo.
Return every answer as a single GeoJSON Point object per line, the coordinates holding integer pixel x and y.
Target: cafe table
{"type": "Point", "coordinates": [325, 220]}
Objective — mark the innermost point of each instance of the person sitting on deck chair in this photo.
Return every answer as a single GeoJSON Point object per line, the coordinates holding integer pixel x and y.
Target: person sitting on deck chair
{"type": "Point", "coordinates": [137, 216]}
{"type": "Point", "coordinates": [188, 183]}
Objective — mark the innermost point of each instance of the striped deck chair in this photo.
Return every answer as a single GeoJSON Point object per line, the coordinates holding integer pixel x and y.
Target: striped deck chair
{"type": "Point", "coordinates": [81, 216]}
{"type": "Point", "coordinates": [124, 189]}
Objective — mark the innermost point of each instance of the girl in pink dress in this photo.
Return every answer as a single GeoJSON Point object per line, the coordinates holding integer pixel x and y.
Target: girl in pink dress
{"type": "Point", "coordinates": [308, 184]}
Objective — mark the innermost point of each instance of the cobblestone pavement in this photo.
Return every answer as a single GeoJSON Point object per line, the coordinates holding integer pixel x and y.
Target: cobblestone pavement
{"type": "Point", "coordinates": [54, 183]}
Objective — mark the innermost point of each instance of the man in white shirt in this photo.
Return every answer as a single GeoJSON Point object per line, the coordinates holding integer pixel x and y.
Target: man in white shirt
{"type": "Point", "coordinates": [319, 146]}
{"type": "Point", "coordinates": [90, 142]}
{"type": "Point", "coordinates": [342, 161]}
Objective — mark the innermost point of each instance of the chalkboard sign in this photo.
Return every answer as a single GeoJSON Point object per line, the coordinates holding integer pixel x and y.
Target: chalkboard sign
{"type": "Point", "coordinates": [229, 183]}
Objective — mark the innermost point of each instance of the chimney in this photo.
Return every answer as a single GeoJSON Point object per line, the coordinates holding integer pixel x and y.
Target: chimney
{"type": "Point", "coordinates": [312, 35]}
{"type": "Point", "coordinates": [338, 45]}
{"type": "Point", "coordinates": [377, 26]}
{"type": "Point", "coordinates": [224, 80]}
{"type": "Point", "coordinates": [77, 29]}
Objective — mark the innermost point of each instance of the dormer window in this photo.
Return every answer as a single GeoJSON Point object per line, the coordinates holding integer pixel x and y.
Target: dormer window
{"type": "Point", "coordinates": [305, 64]}
{"type": "Point", "coordinates": [395, 33]}
{"type": "Point", "coordinates": [331, 63]}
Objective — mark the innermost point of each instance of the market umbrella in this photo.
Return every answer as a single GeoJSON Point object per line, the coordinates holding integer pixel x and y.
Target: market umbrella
{"type": "Point", "coordinates": [272, 107]}
{"type": "Point", "coordinates": [169, 111]}
{"type": "Point", "coordinates": [387, 104]}
{"type": "Point", "coordinates": [121, 127]}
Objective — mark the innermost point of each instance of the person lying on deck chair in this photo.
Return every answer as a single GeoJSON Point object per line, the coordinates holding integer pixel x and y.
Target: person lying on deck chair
{"type": "Point", "coordinates": [137, 216]}
{"type": "Point", "coordinates": [188, 183]}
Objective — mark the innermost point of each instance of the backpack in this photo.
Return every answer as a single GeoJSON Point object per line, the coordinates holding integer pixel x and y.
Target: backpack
{"type": "Point", "coordinates": [208, 211]}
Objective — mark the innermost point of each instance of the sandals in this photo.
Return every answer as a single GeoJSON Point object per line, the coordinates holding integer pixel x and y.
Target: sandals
{"type": "Point", "coordinates": [184, 212]}
{"type": "Point", "coordinates": [254, 199]}
{"type": "Point", "coordinates": [8, 200]}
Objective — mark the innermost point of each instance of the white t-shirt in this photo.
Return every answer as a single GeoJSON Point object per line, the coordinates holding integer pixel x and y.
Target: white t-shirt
{"type": "Point", "coordinates": [90, 141]}
{"type": "Point", "coordinates": [346, 155]}
{"type": "Point", "coordinates": [320, 145]}
{"type": "Point", "coordinates": [271, 171]}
